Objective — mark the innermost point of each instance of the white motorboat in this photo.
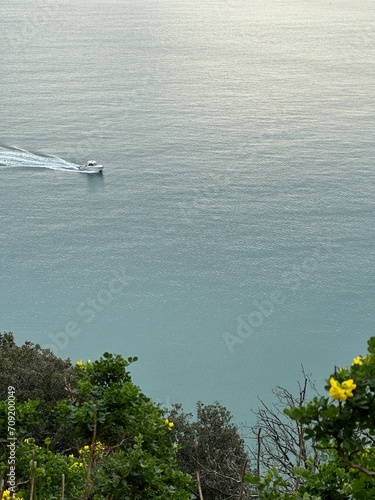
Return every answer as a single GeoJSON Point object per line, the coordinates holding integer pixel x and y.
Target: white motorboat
{"type": "Point", "coordinates": [91, 167]}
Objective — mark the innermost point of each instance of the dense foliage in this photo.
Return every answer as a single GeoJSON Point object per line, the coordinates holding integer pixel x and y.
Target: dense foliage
{"type": "Point", "coordinates": [36, 373]}
{"type": "Point", "coordinates": [212, 446]}
{"type": "Point", "coordinates": [121, 443]}
{"type": "Point", "coordinates": [138, 458]}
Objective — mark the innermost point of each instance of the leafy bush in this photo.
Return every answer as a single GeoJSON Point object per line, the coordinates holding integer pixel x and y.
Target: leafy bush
{"type": "Point", "coordinates": [220, 456]}
{"type": "Point", "coordinates": [139, 458]}
{"type": "Point", "coordinates": [122, 448]}
{"type": "Point", "coordinates": [36, 373]}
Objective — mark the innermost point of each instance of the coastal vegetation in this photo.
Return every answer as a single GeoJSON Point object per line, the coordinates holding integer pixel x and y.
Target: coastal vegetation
{"type": "Point", "coordinates": [86, 431]}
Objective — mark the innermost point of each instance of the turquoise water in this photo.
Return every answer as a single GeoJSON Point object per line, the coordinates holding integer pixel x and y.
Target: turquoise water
{"type": "Point", "coordinates": [231, 237]}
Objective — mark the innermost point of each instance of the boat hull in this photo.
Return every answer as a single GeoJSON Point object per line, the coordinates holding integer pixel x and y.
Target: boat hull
{"type": "Point", "coordinates": [98, 169]}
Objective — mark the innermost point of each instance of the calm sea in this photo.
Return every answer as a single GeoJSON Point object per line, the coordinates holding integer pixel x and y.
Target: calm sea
{"type": "Point", "coordinates": [231, 237]}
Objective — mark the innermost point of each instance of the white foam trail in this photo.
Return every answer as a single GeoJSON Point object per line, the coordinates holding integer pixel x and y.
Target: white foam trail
{"type": "Point", "coordinates": [19, 158]}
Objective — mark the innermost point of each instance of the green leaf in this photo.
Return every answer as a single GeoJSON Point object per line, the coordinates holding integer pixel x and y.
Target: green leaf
{"type": "Point", "coordinates": [371, 345]}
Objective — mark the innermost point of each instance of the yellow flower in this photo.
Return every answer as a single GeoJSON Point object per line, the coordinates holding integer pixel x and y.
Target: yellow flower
{"type": "Point", "coordinates": [170, 424]}
{"type": "Point", "coordinates": [341, 391]}
{"type": "Point", "coordinates": [357, 361]}
{"type": "Point", "coordinates": [335, 391]}
{"type": "Point", "coordinates": [334, 382]}
{"type": "Point", "coordinates": [349, 386]}
{"type": "Point", "coordinates": [7, 495]}
{"type": "Point", "coordinates": [79, 364]}
{"type": "Point", "coordinates": [76, 464]}
{"type": "Point", "coordinates": [99, 448]}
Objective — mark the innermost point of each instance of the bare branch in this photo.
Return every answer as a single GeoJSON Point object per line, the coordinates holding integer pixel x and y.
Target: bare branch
{"type": "Point", "coordinates": [197, 472]}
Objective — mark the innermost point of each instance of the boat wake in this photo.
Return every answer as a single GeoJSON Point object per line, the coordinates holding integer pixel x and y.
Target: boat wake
{"type": "Point", "coordinates": [19, 158]}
